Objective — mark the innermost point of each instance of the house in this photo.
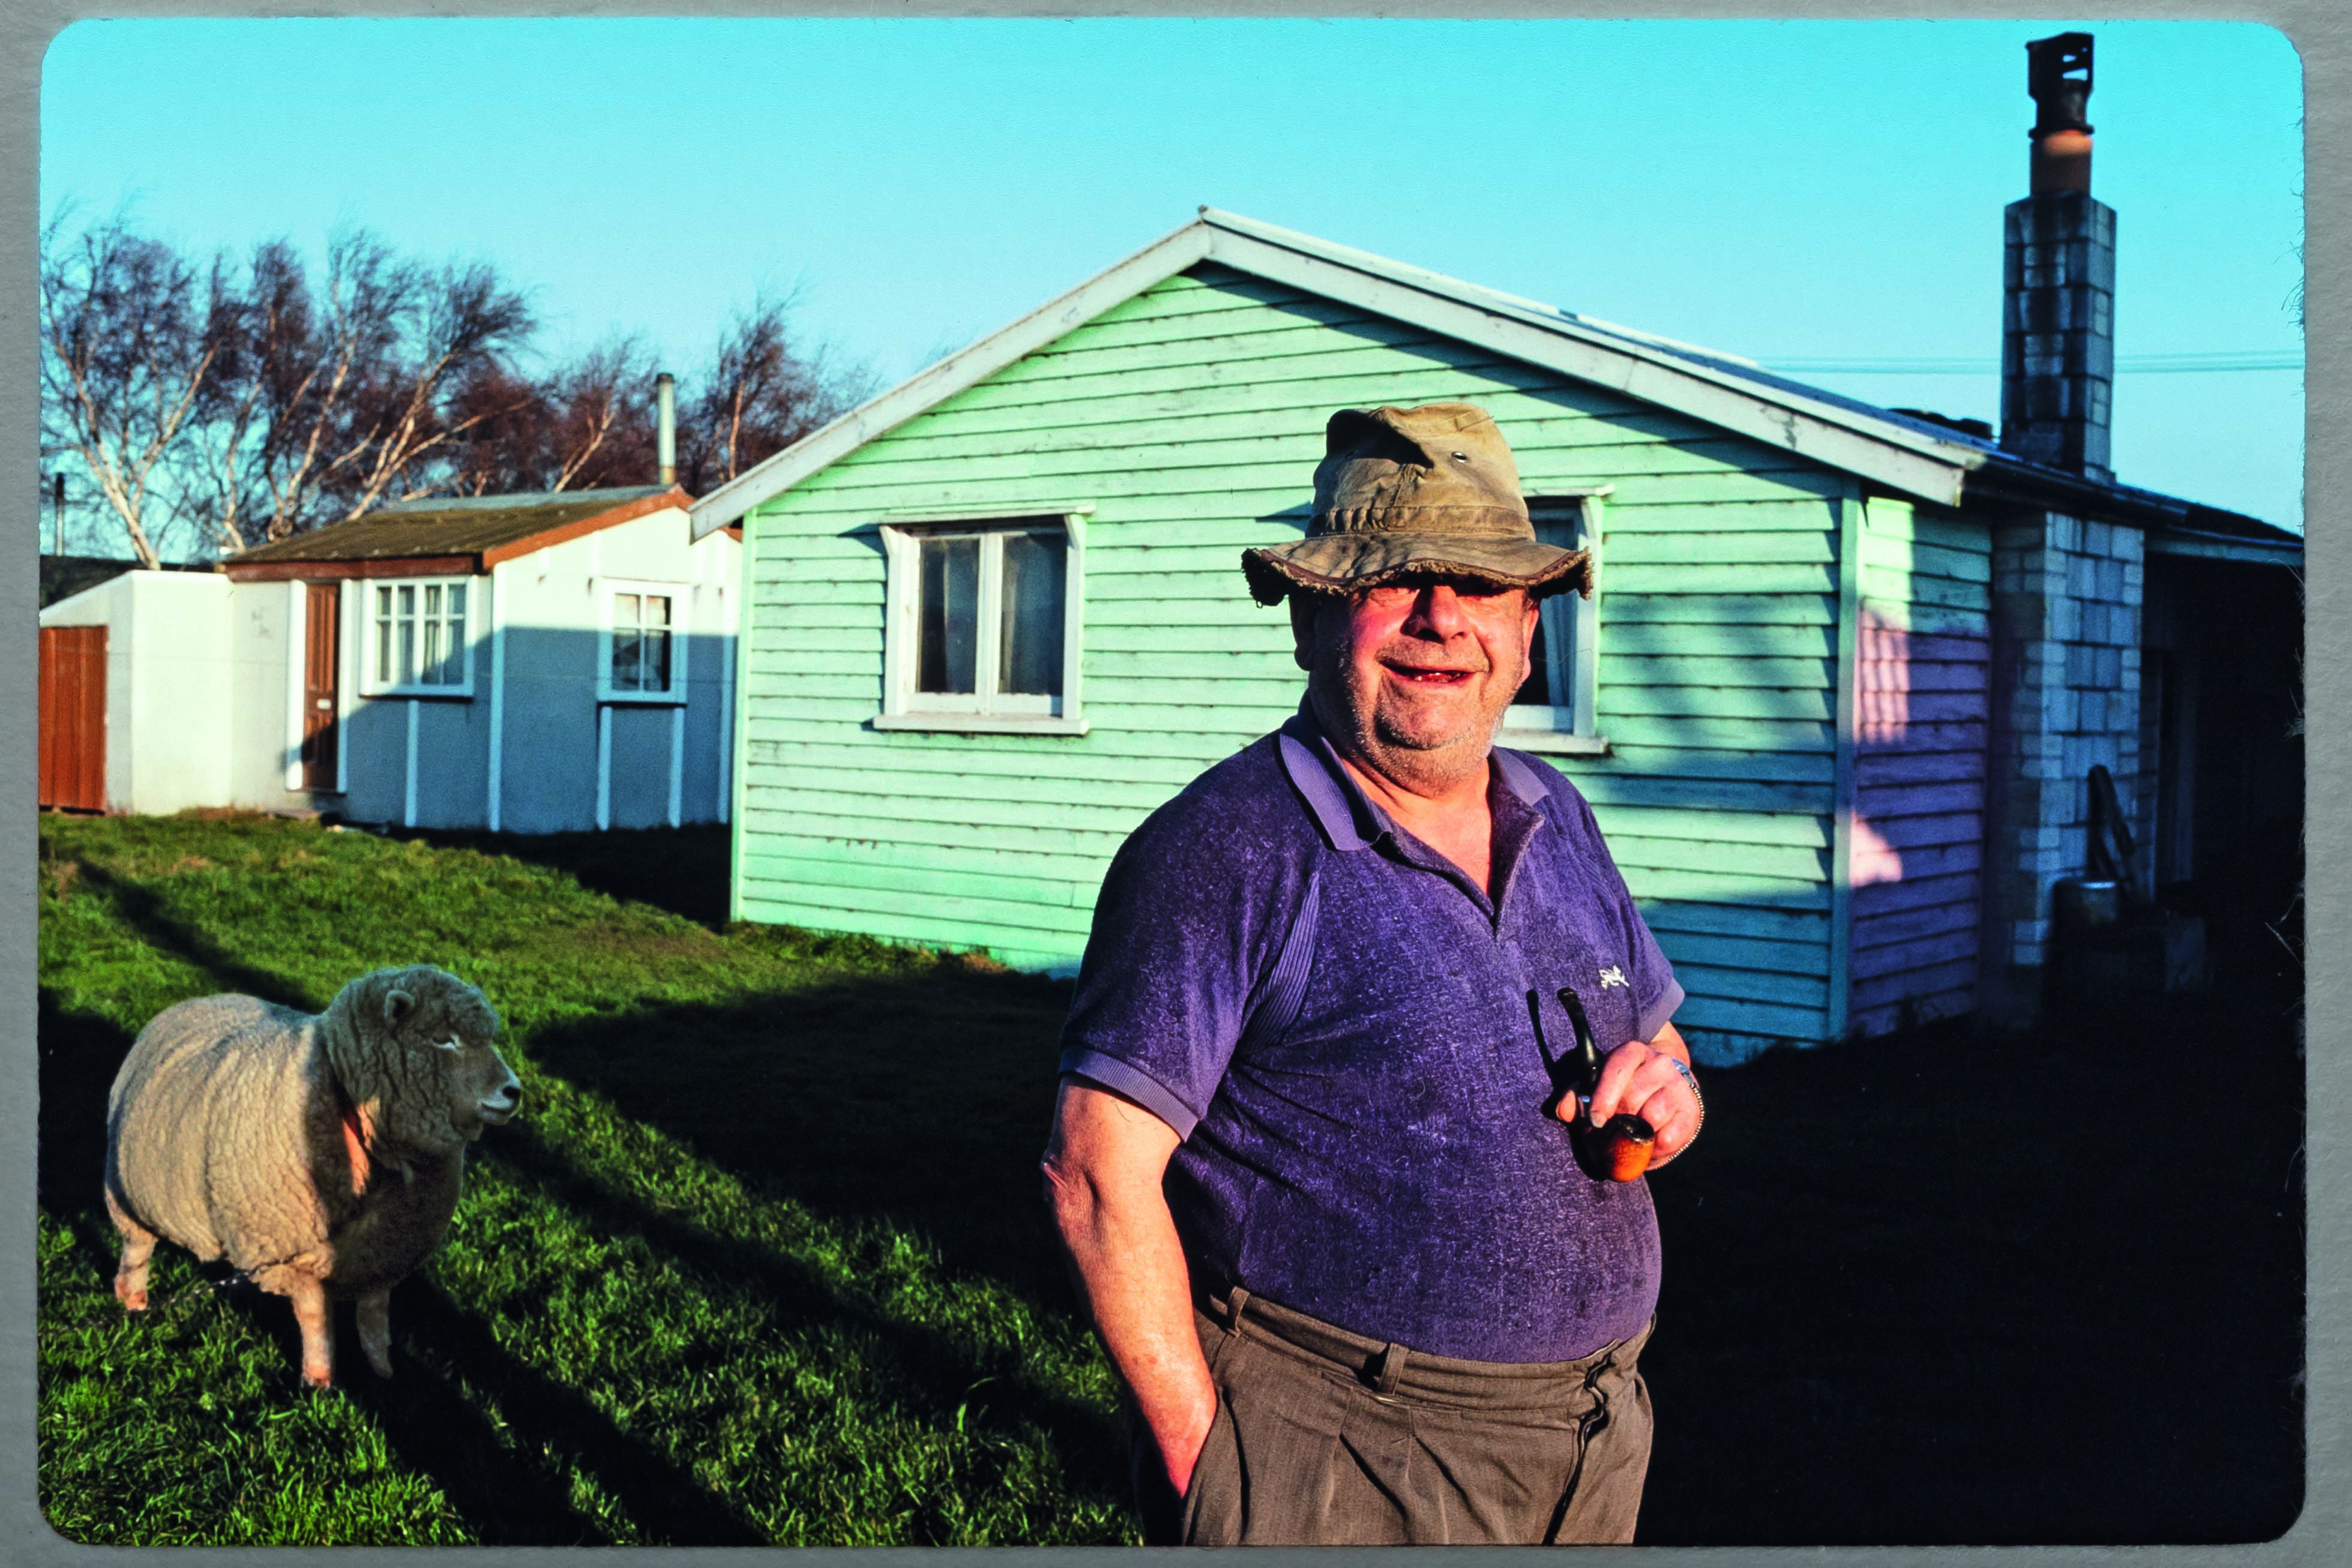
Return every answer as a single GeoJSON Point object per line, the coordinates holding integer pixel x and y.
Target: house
{"type": "Point", "coordinates": [526, 664]}
{"type": "Point", "coordinates": [1836, 701]}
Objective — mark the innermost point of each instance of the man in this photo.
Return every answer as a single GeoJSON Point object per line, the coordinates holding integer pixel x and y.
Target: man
{"type": "Point", "coordinates": [1306, 1158]}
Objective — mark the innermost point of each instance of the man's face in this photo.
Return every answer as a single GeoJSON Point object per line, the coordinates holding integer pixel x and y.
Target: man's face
{"type": "Point", "coordinates": [1415, 674]}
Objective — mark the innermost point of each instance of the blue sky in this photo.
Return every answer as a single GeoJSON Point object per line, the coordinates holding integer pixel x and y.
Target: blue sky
{"type": "Point", "coordinates": [1818, 191]}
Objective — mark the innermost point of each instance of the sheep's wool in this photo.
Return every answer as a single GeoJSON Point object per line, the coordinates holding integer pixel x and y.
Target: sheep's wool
{"type": "Point", "coordinates": [319, 1154]}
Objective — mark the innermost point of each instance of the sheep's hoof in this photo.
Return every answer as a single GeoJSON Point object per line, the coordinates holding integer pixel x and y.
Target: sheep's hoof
{"type": "Point", "coordinates": [317, 1377]}
{"type": "Point", "coordinates": [132, 1300]}
{"type": "Point", "coordinates": [380, 1365]}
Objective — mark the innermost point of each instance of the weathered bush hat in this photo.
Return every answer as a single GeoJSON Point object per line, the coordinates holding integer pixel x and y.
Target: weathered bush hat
{"type": "Point", "coordinates": [1412, 491]}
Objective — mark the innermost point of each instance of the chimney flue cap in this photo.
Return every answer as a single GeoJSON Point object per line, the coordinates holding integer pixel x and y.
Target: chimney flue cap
{"type": "Point", "coordinates": [2058, 78]}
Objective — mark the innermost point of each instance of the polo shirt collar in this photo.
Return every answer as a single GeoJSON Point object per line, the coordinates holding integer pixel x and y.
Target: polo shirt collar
{"type": "Point", "coordinates": [1347, 818]}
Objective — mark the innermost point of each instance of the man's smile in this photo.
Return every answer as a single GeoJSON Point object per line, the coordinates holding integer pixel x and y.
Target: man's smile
{"type": "Point", "coordinates": [1417, 674]}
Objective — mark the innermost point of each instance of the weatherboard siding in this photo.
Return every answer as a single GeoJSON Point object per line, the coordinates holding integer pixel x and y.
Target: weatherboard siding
{"type": "Point", "coordinates": [1189, 419]}
{"type": "Point", "coordinates": [1922, 668]}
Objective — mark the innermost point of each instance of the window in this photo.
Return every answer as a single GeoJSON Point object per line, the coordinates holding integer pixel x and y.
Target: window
{"type": "Point", "coordinates": [641, 654]}
{"type": "Point", "coordinates": [983, 626]}
{"type": "Point", "coordinates": [417, 645]}
{"type": "Point", "coordinates": [1554, 710]}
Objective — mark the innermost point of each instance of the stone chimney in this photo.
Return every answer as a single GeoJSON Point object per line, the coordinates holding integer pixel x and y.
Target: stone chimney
{"type": "Point", "coordinates": [2058, 331]}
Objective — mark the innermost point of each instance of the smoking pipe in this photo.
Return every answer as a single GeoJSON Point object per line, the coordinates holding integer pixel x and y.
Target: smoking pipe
{"type": "Point", "coordinates": [1618, 1150]}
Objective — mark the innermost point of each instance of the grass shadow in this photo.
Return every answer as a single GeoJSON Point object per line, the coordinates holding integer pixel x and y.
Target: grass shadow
{"type": "Point", "coordinates": [1944, 1289]}
{"type": "Point", "coordinates": [681, 870]}
{"type": "Point", "coordinates": [920, 1099]}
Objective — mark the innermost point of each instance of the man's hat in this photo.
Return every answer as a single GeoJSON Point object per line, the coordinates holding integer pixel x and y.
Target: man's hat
{"type": "Point", "coordinates": [1410, 492]}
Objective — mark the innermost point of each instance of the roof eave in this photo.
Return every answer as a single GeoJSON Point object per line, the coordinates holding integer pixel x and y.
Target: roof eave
{"type": "Point", "coordinates": [2009, 479]}
{"type": "Point", "coordinates": [473, 561]}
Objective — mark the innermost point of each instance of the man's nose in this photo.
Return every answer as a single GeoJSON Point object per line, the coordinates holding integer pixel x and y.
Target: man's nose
{"type": "Point", "coordinates": [1439, 609]}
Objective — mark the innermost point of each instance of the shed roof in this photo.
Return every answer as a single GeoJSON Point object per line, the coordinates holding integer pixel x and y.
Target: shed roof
{"type": "Point", "coordinates": [442, 532]}
{"type": "Point", "coordinates": [1913, 456]}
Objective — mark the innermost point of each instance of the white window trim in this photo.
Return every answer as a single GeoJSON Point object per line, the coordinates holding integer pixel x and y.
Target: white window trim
{"type": "Point", "coordinates": [681, 598]}
{"type": "Point", "coordinates": [1571, 729]}
{"type": "Point", "coordinates": [903, 708]}
{"type": "Point", "coordinates": [374, 684]}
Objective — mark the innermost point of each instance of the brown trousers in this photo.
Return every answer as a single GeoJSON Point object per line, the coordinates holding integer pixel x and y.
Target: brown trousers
{"type": "Point", "coordinates": [1324, 1437]}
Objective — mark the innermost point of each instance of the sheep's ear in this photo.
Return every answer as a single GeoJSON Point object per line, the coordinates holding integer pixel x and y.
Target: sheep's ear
{"type": "Point", "coordinates": [397, 1005]}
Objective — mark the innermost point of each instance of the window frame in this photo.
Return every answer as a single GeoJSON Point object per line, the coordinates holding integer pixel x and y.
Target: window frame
{"type": "Point", "coordinates": [681, 597]}
{"type": "Point", "coordinates": [373, 681]}
{"type": "Point", "coordinates": [1571, 728]}
{"type": "Point", "coordinates": [982, 711]}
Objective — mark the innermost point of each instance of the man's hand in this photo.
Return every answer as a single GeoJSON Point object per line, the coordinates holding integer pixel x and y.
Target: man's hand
{"type": "Point", "coordinates": [1103, 1167]}
{"type": "Point", "coordinates": [1640, 1080]}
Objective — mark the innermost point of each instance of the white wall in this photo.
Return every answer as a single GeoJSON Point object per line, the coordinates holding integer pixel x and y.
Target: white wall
{"type": "Point", "coordinates": [168, 684]}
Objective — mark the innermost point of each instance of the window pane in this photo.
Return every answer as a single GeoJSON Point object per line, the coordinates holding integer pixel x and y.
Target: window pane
{"type": "Point", "coordinates": [1538, 688]}
{"type": "Point", "coordinates": [624, 610]}
{"type": "Point", "coordinates": [656, 660]}
{"type": "Point", "coordinates": [455, 674]}
{"type": "Point", "coordinates": [432, 599]}
{"type": "Point", "coordinates": [383, 633]}
{"type": "Point", "coordinates": [1031, 659]}
{"type": "Point", "coordinates": [433, 634]}
{"type": "Point", "coordinates": [624, 658]}
{"type": "Point", "coordinates": [407, 635]}
{"type": "Point", "coordinates": [456, 606]}
{"type": "Point", "coordinates": [408, 599]}
{"type": "Point", "coordinates": [949, 615]}
{"type": "Point", "coordinates": [657, 609]}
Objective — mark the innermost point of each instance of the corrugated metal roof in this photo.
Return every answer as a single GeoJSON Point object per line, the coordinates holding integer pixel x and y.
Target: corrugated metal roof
{"type": "Point", "coordinates": [446, 526]}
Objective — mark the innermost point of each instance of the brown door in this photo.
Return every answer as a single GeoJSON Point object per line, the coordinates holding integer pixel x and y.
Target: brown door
{"type": "Point", "coordinates": [319, 646]}
{"type": "Point", "coordinates": [73, 718]}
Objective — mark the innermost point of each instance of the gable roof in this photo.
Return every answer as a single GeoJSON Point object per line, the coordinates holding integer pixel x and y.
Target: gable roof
{"type": "Point", "coordinates": [470, 533]}
{"type": "Point", "coordinates": [1915, 456]}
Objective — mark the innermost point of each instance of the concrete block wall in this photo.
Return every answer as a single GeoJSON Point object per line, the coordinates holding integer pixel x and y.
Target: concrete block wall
{"type": "Point", "coordinates": [2066, 611]}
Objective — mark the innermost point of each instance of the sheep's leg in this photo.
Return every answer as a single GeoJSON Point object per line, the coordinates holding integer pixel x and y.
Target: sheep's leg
{"type": "Point", "coordinates": [375, 1330]}
{"type": "Point", "coordinates": [138, 1245]}
{"type": "Point", "coordinates": [309, 1299]}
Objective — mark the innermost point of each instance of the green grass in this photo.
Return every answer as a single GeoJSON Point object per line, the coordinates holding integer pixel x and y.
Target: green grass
{"type": "Point", "coordinates": [759, 1263]}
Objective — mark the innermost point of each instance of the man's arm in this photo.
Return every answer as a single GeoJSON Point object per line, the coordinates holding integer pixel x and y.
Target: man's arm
{"type": "Point", "coordinates": [1636, 1078]}
{"type": "Point", "coordinates": [1103, 1167]}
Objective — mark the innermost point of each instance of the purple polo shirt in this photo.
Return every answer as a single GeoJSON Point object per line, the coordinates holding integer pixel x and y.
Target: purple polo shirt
{"type": "Point", "coordinates": [1384, 1161]}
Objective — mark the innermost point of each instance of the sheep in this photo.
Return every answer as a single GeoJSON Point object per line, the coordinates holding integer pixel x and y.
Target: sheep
{"type": "Point", "coordinates": [320, 1155]}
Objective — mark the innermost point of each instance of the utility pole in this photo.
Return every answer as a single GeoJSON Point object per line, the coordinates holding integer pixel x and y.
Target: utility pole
{"type": "Point", "coordinates": [58, 512]}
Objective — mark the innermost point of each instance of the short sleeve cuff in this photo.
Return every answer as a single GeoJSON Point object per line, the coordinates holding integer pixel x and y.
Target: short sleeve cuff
{"type": "Point", "coordinates": [1661, 1011]}
{"type": "Point", "coordinates": [1138, 1086]}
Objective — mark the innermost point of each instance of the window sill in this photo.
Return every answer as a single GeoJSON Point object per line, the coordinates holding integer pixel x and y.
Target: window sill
{"type": "Point", "coordinates": [983, 723]}
{"type": "Point", "coordinates": [1553, 742]}
{"type": "Point", "coordinates": [642, 699]}
{"type": "Point", "coordinates": [421, 694]}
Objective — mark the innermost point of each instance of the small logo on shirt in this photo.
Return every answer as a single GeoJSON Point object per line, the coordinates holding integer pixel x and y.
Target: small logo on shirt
{"type": "Point", "coordinates": [1612, 976]}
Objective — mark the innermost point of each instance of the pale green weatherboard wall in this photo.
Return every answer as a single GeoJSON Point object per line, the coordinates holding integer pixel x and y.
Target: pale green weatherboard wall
{"type": "Point", "coordinates": [1190, 418]}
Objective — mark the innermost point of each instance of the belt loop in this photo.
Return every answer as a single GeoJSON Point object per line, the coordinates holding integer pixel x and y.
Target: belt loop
{"type": "Point", "coordinates": [1236, 1302]}
{"type": "Point", "coordinates": [1389, 1368]}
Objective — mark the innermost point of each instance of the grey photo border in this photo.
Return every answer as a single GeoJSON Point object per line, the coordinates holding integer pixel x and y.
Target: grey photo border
{"type": "Point", "coordinates": [2321, 32]}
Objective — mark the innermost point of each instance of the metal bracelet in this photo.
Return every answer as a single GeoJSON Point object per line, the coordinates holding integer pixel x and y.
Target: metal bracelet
{"type": "Point", "coordinates": [1676, 1063]}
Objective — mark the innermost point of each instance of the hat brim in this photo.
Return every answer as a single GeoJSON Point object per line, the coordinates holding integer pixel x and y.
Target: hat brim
{"type": "Point", "coordinates": [1349, 563]}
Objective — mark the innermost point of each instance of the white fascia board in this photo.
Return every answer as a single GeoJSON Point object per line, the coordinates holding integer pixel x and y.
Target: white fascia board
{"type": "Point", "coordinates": [1926, 469]}
{"type": "Point", "coordinates": [1155, 263]}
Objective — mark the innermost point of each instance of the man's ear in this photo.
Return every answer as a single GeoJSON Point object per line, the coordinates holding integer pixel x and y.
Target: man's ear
{"type": "Point", "coordinates": [1302, 628]}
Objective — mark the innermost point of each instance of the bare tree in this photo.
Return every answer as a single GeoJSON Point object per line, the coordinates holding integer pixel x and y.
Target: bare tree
{"type": "Point", "coordinates": [584, 426]}
{"type": "Point", "coordinates": [128, 349]}
{"type": "Point", "coordinates": [762, 392]}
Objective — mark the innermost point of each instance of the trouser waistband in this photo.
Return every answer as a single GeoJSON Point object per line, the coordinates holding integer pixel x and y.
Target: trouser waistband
{"type": "Point", "coordinates": [1389, 1368]}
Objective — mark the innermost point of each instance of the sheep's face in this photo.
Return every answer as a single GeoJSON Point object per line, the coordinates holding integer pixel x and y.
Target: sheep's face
{"type": "Point", "coordinates": [432, 1034]}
